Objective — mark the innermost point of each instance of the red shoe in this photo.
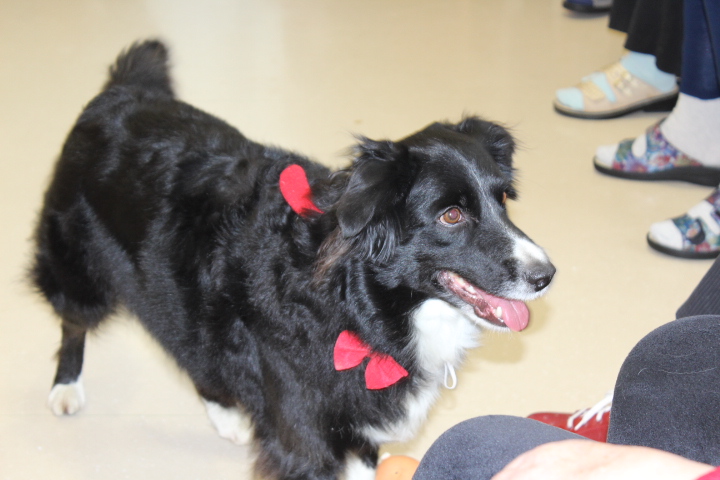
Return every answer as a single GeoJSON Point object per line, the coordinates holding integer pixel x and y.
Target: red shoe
{"type": "Point", "coordinates": [590, 422]}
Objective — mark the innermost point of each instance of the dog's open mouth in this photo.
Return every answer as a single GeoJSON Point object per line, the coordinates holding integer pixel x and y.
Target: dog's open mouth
{"type": "Point", "coordinates": [497, 311]}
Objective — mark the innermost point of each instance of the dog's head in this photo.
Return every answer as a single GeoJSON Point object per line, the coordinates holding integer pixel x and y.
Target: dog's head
{"type": "Point", "coordinates": [428, 212]}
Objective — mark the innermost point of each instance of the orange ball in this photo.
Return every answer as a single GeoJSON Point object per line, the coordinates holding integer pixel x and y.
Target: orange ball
{"type": "Point", "coordinates": [396, 467]}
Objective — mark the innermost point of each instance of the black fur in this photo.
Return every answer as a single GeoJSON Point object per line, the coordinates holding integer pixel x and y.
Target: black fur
{"type": "Point", "coordinates": [174, 214]}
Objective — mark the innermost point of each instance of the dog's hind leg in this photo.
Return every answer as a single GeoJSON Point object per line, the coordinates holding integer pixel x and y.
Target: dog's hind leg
{"type": "Point", "coordinates": [67, 395]}
{"type": "Point", "coordinates": [62, 273]}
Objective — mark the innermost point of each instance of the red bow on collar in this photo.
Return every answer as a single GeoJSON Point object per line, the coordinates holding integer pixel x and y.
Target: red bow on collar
{"type": "Point", "coordinates": [295, 189]}
{"type": "Point", "coordinates": [381, 372]}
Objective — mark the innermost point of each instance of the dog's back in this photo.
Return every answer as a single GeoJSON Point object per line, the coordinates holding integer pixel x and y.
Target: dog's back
{"type": "Point", "coordinates": [140, 202]}
{"type": "Point", "coordinates": [138, 165]}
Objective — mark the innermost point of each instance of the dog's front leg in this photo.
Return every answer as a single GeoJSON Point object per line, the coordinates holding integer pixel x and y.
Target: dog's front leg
{"type": "Point", "coordinates": [357, 469]}
{"type": "Point", "coordinates": [230, 422]}
{"type": "Point", "coordinates": [362, 464]}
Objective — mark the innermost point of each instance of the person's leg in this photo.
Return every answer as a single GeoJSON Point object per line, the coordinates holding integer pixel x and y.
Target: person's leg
{"type": "Point", "coordinates": [480, 447]}
{"type": "Point", "coordinates": [667, 395]}
{"type": "Point", "coordinates": [655, 27]}
{"type": "Point", "coordinates": [633, 83]}
{"type": "Point", "coordinates": [712, 14]}
{"type": "Point", "coordinates": [695, 234]}
{"type": "Point", "coordinates": [638, 392]}
{"type": "Point", "coordinates": [692, 128]}
{"type": "Point", "coordinates": [700, 50]}
{"type": "Point", "coordinates": [705, 299]}
{"type": "Point", "coordinates": [621, 15]}
{"type": "Point", "coordinates": [685, 146]}
{"type": "Point", "coordinates": [693, 125]}
{"type": "Point", "coordinates": [644, 78]}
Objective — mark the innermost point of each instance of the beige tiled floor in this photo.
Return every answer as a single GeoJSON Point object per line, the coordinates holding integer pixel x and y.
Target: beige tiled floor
{"type": "Point", "coordinates": [306, 75]}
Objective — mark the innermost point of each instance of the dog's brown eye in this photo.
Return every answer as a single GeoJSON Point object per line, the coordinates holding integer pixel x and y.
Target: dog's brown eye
{"type": "Point", "coordinates": [452, 216]}
{"type": "Point", "coordinates": [504, 198]}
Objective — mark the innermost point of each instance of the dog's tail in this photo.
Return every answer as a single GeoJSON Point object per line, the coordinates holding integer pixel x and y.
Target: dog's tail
{"type": "Point", "coordinates": [144, 64]}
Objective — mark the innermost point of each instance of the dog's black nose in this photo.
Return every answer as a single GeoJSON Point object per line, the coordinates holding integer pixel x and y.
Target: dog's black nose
{"type": "Point", "coordinates": [541, 277]}
{"type": "Point", "coordinates": [541, 283]}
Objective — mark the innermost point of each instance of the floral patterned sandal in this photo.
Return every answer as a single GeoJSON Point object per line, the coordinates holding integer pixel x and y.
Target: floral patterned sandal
{"type": "Point", "coordinates": [652, 157]}
{"type": "Point", "coordinates": [695, 235]}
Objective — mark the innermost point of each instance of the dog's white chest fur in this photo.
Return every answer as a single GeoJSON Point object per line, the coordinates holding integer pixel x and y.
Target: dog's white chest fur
{"type": "Point", "coordinates": [442, 335]}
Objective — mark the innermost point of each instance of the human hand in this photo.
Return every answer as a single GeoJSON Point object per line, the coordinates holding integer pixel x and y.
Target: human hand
{"type": "Point", "coordinates": [588, 460]}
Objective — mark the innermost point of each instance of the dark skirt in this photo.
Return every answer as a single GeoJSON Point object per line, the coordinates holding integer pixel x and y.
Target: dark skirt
{"type": "Point", "coordinates": [654, 27]}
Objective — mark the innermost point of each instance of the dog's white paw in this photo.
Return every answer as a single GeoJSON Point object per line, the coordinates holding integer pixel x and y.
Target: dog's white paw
{"type": "Point", "coordinates": [230, 423]}
{"type": "Point", "coordinates": [357, 470]}
{"type": "Point", "coordinates": [67, 398]}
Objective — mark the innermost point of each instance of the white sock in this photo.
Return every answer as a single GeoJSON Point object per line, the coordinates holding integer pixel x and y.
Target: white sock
{"type": "Point", "coordinates": [693, 127]}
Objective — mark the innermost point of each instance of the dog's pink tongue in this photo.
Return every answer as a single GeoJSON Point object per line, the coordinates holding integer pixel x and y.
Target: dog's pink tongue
{"type": "Point", "coordinates": [515, 314]}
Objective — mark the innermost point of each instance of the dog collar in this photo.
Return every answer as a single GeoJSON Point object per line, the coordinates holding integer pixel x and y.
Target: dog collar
{"type": "Point", "coordinates": [382, 370]}
{"type": "Point", "coordinates": [296, 190]}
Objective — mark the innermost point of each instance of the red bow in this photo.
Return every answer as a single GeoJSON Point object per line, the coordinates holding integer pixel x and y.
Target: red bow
{"type": "Point", "coordinates": [295, 189]}
{"type": "Point", "coordinates": [382, 371]}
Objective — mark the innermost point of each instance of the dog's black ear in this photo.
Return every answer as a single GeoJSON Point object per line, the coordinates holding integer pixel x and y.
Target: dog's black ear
{"type": "Point", "coordinates": [368, 209]}
{"type": "Point", "coordinates": [496, 138]}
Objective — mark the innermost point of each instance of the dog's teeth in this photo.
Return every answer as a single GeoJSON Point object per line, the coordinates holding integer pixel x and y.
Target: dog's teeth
{"type": "Point", "coordinates": [462, 283]}
{"type": "Point", "coordinates": [498, 313]}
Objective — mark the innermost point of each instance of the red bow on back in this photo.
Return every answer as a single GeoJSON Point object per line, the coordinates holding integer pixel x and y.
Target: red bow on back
{"type": "Point", "coordinates": [295, 189]}
{"type": "Point", "coordinates": [382, 371]}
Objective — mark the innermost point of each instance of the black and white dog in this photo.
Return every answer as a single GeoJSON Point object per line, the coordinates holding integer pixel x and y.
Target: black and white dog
{"type": "Point", "coordinates": [318, 310]}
